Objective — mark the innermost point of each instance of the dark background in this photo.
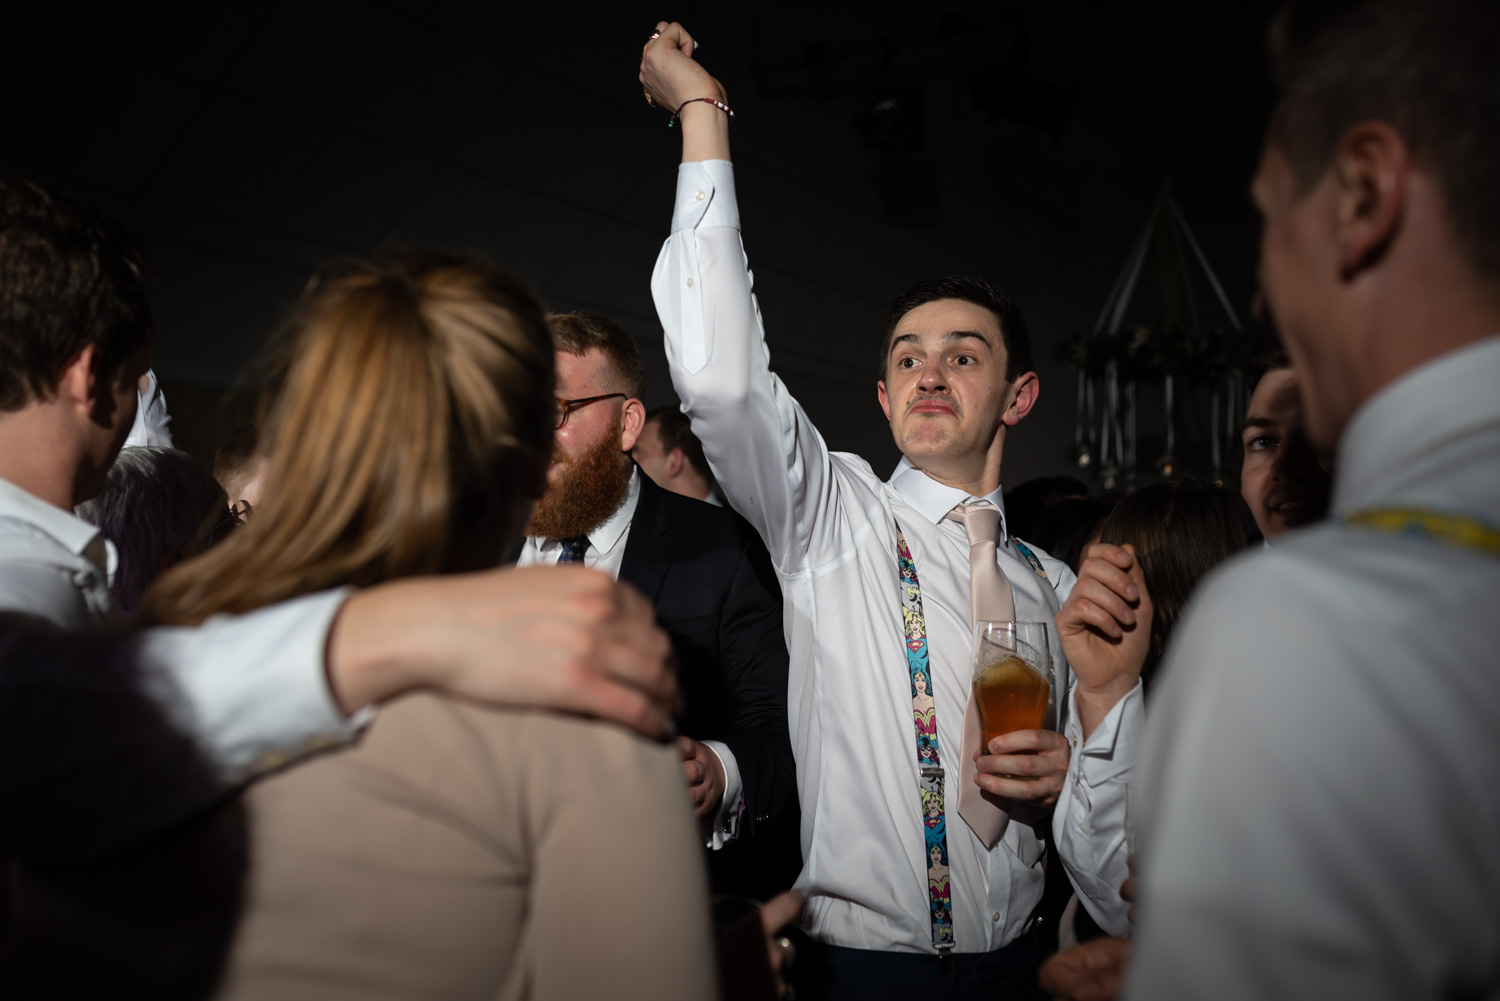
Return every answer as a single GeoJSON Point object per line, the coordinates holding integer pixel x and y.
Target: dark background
{"type": "Point", "coordinates": [1023, 141]}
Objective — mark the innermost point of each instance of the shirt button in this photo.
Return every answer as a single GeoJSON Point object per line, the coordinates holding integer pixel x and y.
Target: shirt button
{"type": "Point", "coordinates": [700, 196]}
{"type": "Point", "coordinates": [995, 916]}
{"type": "Point", "coordinates": [690, 283]}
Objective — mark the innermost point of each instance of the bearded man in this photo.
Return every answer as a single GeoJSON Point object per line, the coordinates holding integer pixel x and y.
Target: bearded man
{"type": "Point", "coordinates": [715, 592]}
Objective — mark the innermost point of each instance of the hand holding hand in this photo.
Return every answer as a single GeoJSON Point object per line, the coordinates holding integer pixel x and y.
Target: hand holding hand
{"type": "Point", "coordinates": [705, 776]}
{"type": "Point", "coordinates": [1037, 758]}
{"type": "Point", "coordinates": [1093, 971]}
{"type": "Point", "coordinates": [1105, 628]}
{"type": "Point", "coordinates": [552, 637]}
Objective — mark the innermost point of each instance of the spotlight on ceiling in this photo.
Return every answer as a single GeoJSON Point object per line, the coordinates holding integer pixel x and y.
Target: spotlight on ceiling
{"type": "Point", "coordinates": [894, 118]}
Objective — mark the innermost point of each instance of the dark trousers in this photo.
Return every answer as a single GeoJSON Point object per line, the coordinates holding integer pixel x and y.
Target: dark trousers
{"type": "Point", "coordinates": [834, 973]}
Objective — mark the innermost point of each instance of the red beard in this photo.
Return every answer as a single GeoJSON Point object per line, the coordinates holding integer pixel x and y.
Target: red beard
{"type": "Point", "coordinates": [587, 490]}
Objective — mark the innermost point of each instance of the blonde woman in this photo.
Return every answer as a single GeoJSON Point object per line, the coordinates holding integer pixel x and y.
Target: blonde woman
{"type": "Point", "coordinates": [457, 851]}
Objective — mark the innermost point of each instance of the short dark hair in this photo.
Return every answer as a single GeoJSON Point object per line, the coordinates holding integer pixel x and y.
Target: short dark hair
{"type": "Point", "coordinates": [235, 453]}
{"type": "Point", "coordinates": [1266, 356]}
{"type": "Point", "coordinates": [1426, 68]}
{"type": "Point", "coordinates": [1181, 529]}
{"type": "Point", "coordinates": [979, 292]}
{"type": "Point", "coordinates": [577, 333]}
{"type": "Point", "coordinates": [70, 277]}
{"type": "Point", "coordinates": [676, 431]}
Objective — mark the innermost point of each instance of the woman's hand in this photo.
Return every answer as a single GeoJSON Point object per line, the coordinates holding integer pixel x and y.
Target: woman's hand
{"type": "Point", "coordinates": [1105, 627]}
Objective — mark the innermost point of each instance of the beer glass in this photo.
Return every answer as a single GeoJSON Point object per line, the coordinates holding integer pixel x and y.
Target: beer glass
{"type": "Point", "coordinates": [1013, 678]}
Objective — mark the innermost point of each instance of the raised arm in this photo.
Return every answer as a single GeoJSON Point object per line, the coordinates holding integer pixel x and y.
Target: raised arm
{"type": "Point", "coordinates": [770, 461]}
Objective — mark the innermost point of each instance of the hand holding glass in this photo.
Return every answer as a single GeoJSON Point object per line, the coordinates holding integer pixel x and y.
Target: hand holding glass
{"type": "Point", "coordinates": [1012, 678]}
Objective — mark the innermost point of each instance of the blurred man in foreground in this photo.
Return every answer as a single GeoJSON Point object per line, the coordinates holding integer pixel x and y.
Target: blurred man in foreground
{"type": "Point", "coordinates": [1315, 779]}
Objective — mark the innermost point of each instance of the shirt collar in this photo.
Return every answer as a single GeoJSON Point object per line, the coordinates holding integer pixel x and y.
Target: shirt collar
{"type": "Point", "coordinates": [933, 500]}
{"type": "Point", "coordinates": [607, 535]}
{"type": "Point", "coordinates": [1388, 436]}
{"type": "Point", "coordinates": [75, 534]}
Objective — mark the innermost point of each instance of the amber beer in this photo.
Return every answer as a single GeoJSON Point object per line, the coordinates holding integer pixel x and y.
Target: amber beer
{"type": "Point", "coordinates": [1011, 696]}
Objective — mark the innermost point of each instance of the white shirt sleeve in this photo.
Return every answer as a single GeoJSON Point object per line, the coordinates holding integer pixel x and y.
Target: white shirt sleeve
{"type": "Point", "coordinates": [1319, 800]}
{"type": "Point", "coordinates": [769, 460]}
{"type": "Point", "coordinates": [727, 820]}
{"type": "Point", "coordinates": [252, 689]}
{"type": "Point", "coordinates": [1089, 822]}
{"type": "Point", "coordinates": [151, 417]}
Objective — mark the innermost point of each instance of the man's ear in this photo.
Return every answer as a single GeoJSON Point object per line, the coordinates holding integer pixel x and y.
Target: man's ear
{"type": "Point", "coordinates": [885, 401]}
{"type": "Point", "coordinates": [1023, 398]}
{"type": "Point", "coordinates": [632, 422]}
{"type": "Point", "coordinates": [77, 384]}
{"type": "Point", "coordinates": [674, 462]}
{"type": "Point", "coordinates": [1372, 169]}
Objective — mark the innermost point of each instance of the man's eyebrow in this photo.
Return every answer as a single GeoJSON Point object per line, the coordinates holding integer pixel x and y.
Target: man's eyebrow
{"type": "Point", "coordinates": [948, 338]}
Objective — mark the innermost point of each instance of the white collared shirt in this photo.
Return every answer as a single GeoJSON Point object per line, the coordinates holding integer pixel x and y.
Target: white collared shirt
{"type": "Point", "coordinates": [606, 553]}
{"type": "Point", "coordinates": [53, 564]}
{"type": "Point", "coordinates": [1321, 775]}
{"type": "Point", "coordinates": [830, 525]}
{"type": "Point", "coordinates": [252, 689]}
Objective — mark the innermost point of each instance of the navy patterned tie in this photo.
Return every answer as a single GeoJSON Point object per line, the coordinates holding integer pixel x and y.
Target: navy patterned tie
{"type": "Point", "coordinates": [573, 549]}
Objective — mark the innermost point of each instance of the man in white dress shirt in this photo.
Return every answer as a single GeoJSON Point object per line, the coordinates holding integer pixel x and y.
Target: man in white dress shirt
{"type": "Point", "coordinates": [1321, 771]}
{"type": "Point", "coordinates": [248, 692]}
{"type": "Point", "coordinates": [899, 913]}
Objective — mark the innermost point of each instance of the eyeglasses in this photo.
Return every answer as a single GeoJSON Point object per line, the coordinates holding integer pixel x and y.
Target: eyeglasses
{"type": "Point", "coordinates": [566, 407]}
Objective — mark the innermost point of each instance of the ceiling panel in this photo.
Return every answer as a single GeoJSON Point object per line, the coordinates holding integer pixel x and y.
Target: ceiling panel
{"type": "Point", "coordinates": [352, 192]}
{"type": "Point", "coordinates": [237, 159]}
{"type": "Point", "coordinates": [431, 94]}
{"type": "Point", "coordinates": [540, 238]}
{"type": "Point", "coordinates": [456, 209]}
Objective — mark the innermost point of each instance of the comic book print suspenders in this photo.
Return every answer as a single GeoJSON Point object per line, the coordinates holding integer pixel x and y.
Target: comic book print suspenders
{"type": "Point", "coordinates": [929, 752]}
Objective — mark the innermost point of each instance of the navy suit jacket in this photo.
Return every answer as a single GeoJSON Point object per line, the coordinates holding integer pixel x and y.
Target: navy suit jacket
{"type": "Point", "coordinates": [715, 592]}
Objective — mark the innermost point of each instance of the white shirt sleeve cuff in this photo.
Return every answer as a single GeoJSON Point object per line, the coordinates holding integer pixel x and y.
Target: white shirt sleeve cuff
{"type": "Point", "coordinates": [1111, 749]}
{"type": "Point", "coordinates": [727, 822]}
{"type": "Point", "coordinates": [705, 196]}
{"type": "Point", "coordinates": [252, 689]}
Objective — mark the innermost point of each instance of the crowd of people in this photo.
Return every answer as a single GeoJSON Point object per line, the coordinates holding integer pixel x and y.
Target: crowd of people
{"type": "Point", "coordinates": [461, 674]}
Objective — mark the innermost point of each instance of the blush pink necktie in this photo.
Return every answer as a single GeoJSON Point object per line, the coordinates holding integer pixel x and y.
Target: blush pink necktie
{"type": "Point", "coordinates": [990, 600]}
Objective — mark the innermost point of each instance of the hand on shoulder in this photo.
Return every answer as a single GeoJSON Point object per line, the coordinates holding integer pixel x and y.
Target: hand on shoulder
{"type": "Point", "coordinates": [549, 637]}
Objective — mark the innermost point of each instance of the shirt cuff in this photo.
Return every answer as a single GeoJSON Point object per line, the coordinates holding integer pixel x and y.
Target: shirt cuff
{"type": "Point", "coordinates": [1111, 749]}
{"type": "Point", "coordinates": [727, 822]}
{"type": "Point", "coordinates": [705, 196]}
{"type": "Point", "coordinates": [253, 689]}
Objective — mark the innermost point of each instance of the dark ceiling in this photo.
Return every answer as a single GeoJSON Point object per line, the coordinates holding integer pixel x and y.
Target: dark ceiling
{"type": "Point", "coordinates": [875, 145]}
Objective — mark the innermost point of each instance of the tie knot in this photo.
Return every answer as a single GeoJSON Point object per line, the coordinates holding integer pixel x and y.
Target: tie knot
{"type": "Point", "coordinates": [981, 520]}
{"type": "Point", "coordinates": [573, 549]}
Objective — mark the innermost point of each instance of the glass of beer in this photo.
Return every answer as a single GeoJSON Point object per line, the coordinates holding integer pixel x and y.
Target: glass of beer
{"type": "Point", "coordinates": [1012, 678]}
